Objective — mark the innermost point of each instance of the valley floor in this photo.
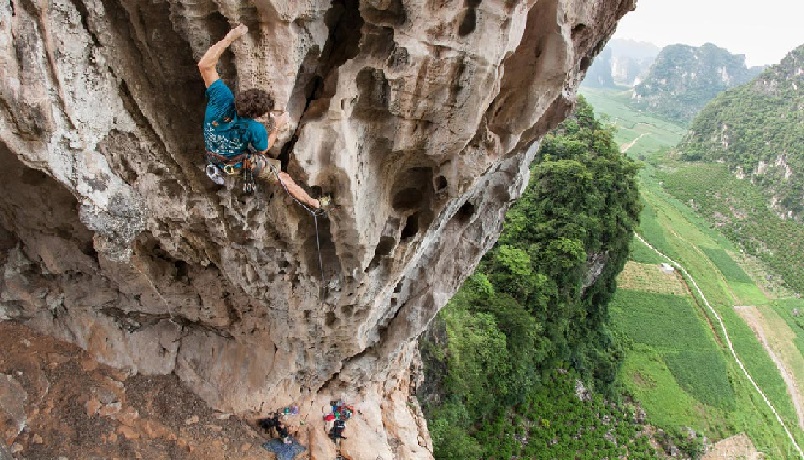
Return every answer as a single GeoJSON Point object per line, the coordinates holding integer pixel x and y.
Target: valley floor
{"type": "Point", "coordinates": [678, 364]}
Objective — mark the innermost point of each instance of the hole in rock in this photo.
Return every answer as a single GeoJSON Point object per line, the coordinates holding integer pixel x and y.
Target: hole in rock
{"type": "Point", "coordinates": [585, 62]}
{"type": "Point", "coordinates": [411, 227]}
{"type": "Point", "coordinates": [440, 183]}
{"type": "Point", "coordinates": [406, 199]}
{"type": "Point", "coordinates": [468, 22]}
{"type": "Point", "coordinates": [182, 269]}
{"type": "Point", "coordinates": [577, 30]}
{"type": "Point", "coordinates": [465, 212]}
{"type": "Point", "coordinates": [384, 247]}
{"type": "Point", "coordinates": [390, 13]}
{"type": "Point", "coordinates": [331, 319]}
{"type": "Point", "coordinates": [344, 23]}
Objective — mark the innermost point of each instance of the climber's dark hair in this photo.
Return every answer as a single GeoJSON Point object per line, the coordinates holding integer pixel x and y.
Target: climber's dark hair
{"type": "Point", "coordinates": [253, 103]}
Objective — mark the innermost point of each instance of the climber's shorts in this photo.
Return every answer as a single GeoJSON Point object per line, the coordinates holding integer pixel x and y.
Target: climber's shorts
{"type": "Point", "coordinates": [265, 168]}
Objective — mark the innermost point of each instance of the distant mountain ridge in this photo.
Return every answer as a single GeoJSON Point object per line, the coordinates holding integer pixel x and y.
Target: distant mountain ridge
{"type": "Point", "coordinates": [621, 64]}
{"type": "Point", "coordinates": [684, 78]}
{"type": "Point", "coordinates": [758, 130]}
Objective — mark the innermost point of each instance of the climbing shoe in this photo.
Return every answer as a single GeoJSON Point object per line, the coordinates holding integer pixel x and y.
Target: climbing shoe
{"type": "Point", "coordinates": [214, 173]}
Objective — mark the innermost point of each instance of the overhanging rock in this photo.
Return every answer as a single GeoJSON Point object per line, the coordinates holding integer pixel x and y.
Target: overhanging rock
{"type": "Point", "coordinates": [420, 117]}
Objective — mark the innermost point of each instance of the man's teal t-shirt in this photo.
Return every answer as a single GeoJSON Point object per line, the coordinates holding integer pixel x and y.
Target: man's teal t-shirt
{"type": "Point", "coordinates": [224, 132]}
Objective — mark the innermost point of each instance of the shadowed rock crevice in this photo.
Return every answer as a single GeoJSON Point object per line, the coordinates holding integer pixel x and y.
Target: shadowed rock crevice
{"type": "Point", "coordinates": [321, 258]}
{"type": "Point", "coordinates": [372, 102]}
{"type": "Point", "coordinates": [468, 21]}
{"type": "Point", "coordinates": [390, 13]}
{"type": "Point", "coordinates": [34, 207]}
{"type": "Point", "coordinates": [411, 228]}
{"type": "Point", "coordinates": [344, 23]}
{"type": "Point", "coordinates": [531, 72]}
{"type": "Point", "coordinates": [153, 58]}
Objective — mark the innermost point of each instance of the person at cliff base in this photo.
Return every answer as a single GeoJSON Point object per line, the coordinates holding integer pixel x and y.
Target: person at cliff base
{"type": "Point", "coordinates": [235, 138]}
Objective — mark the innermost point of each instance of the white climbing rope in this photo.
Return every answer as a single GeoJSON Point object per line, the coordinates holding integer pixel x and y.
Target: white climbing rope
{"type": "Point", "coordinates": [728, 342]}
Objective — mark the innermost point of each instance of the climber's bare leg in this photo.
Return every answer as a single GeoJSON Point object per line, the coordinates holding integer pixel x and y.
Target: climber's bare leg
{"type": "Point", "coordinates": [298, 192]}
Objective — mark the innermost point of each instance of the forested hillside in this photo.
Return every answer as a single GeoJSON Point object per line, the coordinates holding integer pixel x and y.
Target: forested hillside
{"type": "Point", "coordinates": [684, 78]}
{"type": "Point", "coordinates": [758, 130]}
{"type": "Point", "coordinates": [501, 360]}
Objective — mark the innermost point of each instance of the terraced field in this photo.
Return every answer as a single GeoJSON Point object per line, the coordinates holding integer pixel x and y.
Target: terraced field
{"type": "Point", "coordinates": [678, 365]}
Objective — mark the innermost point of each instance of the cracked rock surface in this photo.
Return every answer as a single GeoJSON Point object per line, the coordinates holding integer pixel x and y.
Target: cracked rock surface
{"type": "Point", "coordinates": [420, 118]}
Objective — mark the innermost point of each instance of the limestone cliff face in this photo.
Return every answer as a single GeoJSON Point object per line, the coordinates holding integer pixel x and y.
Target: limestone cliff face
{"type": "Point", "coordinates": [420, 117]}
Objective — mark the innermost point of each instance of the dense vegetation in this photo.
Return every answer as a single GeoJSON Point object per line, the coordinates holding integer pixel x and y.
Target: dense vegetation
{"type": "Point", "coordinates": [739, 209]}
{"type": "Point", "coordinates": [758, 128]}
{"type": "Point", "coordinates": [538, 303]}
{"type": "Point", "coordinates": [684, 78]}
{"type": "Point", "coordinates": [704, 389]}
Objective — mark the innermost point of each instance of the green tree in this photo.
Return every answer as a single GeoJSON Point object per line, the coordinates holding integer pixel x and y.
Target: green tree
{"type": "Point", "coordinates": [538, 301]}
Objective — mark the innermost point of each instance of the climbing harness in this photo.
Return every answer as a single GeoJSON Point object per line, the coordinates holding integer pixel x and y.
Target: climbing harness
{"type": "Point", "coordinates": [219, 165]}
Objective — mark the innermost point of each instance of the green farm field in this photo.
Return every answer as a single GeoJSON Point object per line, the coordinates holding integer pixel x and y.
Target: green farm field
{"type": "Point", "coordinates": [653, 134]}
{"type": "Point", "coordinates": [677, 363]}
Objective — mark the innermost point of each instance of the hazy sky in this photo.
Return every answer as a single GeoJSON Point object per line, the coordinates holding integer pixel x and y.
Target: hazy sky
{"type": "Point", "coordinates": [763, 30]}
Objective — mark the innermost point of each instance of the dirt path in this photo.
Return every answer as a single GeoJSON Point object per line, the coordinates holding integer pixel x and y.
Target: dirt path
{"type": "Point", "coordinates": [624, 148]}
{"type": "Point", "coordinates": [753, 318]}
{"type": "Point", "coordinates": [728, 342]}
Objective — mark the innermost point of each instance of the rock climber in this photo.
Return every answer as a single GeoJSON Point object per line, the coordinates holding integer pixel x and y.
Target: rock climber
{"type": "Point", "coordinates": [273, 423]}
{"type": "Point", "coordinates": [232, 125]}
{"type": "Point", "coordinates": [336, 432]}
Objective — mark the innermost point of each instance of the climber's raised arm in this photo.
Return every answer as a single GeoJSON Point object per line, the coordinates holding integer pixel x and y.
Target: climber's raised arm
{"type": "Point", "coordinates": [209, 60]}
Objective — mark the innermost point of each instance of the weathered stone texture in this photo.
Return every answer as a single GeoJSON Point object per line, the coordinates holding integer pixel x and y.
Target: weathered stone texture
{"type": "Point", "coordinates": [419, 116]}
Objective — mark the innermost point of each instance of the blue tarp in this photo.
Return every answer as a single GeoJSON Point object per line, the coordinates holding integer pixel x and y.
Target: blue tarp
{"type": "Point", "coordinates": [284, 451]}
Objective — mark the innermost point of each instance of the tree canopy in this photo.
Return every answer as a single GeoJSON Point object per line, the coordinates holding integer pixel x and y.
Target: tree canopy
{"type": "Point", "coordinates": [538, 300]}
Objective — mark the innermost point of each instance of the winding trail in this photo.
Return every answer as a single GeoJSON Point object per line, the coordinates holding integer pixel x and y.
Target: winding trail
{"type": "Point", "coordinates": [624, 148]}
{"type": "Point", "coordinates": [728, 342]}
